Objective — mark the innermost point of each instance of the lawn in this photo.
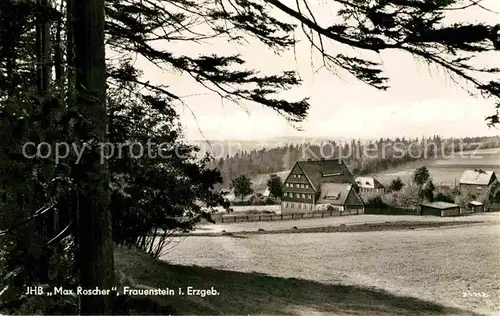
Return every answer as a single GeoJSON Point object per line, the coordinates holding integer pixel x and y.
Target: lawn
{"type": "Point", "coordinates": [342, 272]}
{"type": "Point", "coordinates": [243, 293]}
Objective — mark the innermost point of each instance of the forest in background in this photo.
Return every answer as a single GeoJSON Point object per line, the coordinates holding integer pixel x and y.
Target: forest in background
{"type": "Point", "coordinates": [362, 158]}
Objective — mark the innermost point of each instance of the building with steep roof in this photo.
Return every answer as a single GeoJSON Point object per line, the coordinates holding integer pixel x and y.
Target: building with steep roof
{"type": "Point", "coordinates": [476, 183]}
{"type": "Point", "coordinates": [369, 185]}
{"type": "Point", "coordinates": [320, 185]}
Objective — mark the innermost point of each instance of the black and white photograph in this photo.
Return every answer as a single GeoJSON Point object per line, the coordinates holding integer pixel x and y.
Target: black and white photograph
{"type": "Point", "coordinates": [250, 157]}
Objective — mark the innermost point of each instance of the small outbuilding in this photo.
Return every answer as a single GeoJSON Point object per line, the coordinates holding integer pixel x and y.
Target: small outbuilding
{"type": "Point", "coordinates": [440, 209]}
{"type": "Point", "coordinates": [476, 206]}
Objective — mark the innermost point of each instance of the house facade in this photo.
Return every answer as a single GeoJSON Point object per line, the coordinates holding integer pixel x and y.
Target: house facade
{"type": "Point", "coordinates": [476, 183]}
{"type": "Point", "coordinates": [319, 184]}
{"type": "Point", "coordinates": [370, 185]}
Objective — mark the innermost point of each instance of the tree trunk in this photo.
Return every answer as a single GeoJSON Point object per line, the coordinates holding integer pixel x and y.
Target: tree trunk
{"type": "Point", "coordinates": [95, 247]}
{"type": "Point", "coordinates": [70, 55]}
{"type": "Point", "coordinates": [43, 228]}
{"type": "Point", "coordinates": [59, 69]}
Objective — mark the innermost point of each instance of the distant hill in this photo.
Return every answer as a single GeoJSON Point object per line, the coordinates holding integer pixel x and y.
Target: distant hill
{"type": "Point", "coordinates": [223, 148]}
{"type": "Point", "coordinates": [259, 159]}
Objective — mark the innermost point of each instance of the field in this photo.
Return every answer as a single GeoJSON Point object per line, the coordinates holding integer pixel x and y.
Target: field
{"type": "Point", "coordinates": [251, 293]}
{"type": "Point", "coordinates": [447, 171]}
{"type": "Point", "coordinates": [445, 265]}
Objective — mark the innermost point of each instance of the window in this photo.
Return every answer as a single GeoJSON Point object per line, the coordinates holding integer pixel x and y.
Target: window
{"type": "Point", "coordinates": [295, 176]}
{"type": "Point", "coordinates": [285, 204]}
{"type": "Point", "coordinates": [310, 196]}
{"type": "Point", "coordinates": [479, 187]}
{"type": "Point", "coordinates": [298, 176]}
{"type": "Point", "coordinates": [331, 174]}
{"type": "Point", "coordinates": [291, 205]}
{"type": "Point", "coordinates": [303, 196]}
{"type": "Point", "coordinates": [306, 186]}
{"type": "Point", "coordinates": [333, 196]}
{"type": "Point", "coordinates": [285, 194]}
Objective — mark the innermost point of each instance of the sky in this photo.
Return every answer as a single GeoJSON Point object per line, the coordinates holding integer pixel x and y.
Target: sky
{"type": "Point", "coordinates": [421, 101]}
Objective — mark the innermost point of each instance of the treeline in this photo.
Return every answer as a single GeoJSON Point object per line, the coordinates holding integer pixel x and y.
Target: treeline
{"type": "Point", "coordinates": [362, 158]}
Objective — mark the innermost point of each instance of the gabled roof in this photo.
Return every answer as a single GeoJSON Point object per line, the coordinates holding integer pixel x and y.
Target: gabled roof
{"type": "Point", "coordinates": [477, 177]}
{"type": "Point", "coordinates": [440, 205]}
{"type": "Point", "coordinates": [339, 191]}
{"type": "Point", "coordinates": [368, 183]}
{"type": "Point", "coordinates": [325, 171]}
{"type": "Point", "coordinates": [476, 203]}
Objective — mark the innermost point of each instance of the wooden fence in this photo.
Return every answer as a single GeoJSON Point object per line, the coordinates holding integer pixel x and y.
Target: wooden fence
{"type": "Point", "coordinates": [391, 211]}
{"type": "Point", "coordinates": [278, 217]}
{"type": "Point", "coordinates": [241, 218]}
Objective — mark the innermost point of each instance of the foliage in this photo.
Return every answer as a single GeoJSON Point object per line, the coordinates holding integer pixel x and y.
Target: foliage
{"type": "Point", "coordinates": [164, 190]}
{"type": "Point", "coordinates": [441, 197]}
{"type": "Point", "coordinates": [274, 184]}
{"type": "Point", "coordinates": [242, 186]}
{"type": "Point", "coordinates": [427, 191]}
{"type": "Point", "coordinates": [396, 185]}
{"type": "Point", "coordinates": [407, 198]}
{"type": "Point", "coordinates": [421, 176]}
{"type": "Point", "coordinates": [493, 195]}
{"type": "Point", "coordinates": [446, 193]}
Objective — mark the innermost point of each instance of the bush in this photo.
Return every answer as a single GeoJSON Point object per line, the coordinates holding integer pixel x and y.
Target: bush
{"type": "Point", "coordinates": [407, 198]}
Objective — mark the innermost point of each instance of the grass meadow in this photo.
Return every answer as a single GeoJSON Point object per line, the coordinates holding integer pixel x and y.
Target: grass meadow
{"type": "Point", "coordinates": [448, 266]}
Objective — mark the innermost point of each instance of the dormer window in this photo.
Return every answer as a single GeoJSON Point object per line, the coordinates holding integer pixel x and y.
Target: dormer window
{"type": "Point", "coordinates": [334, 196]}
{"type": "Point", "coordinates": [331, 174]}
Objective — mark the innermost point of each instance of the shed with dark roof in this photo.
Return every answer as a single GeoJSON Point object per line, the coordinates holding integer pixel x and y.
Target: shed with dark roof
{"type": "Point", "coordinates": [440, 209]}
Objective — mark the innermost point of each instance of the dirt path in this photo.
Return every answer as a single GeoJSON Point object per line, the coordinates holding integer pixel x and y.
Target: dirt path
{"type": "Point", "coordinates": [343, 228]}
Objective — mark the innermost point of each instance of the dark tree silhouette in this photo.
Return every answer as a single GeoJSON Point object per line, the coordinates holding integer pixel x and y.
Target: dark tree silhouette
{"type": "Point", "coordinates": [274, 184]}
{"type": "Point", "coordinates": [242, 187]}
{"type": "Point", "coordinates": [396, 185]}
{"type": "Point", "coordinates": [420, 176]}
